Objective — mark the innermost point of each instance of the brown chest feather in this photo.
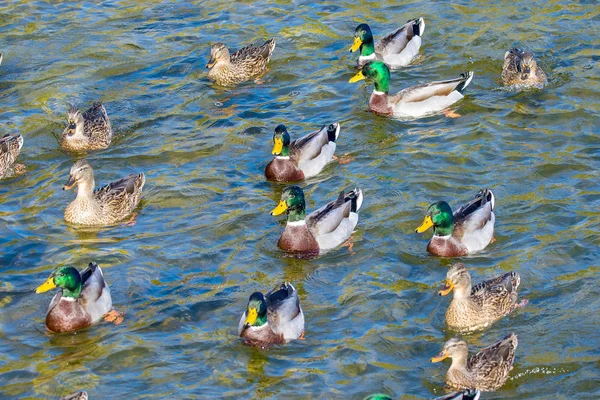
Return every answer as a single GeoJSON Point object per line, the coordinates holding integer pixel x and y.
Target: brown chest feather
{"type": "Point", "coordinates": [283, 171]}
{"type": "Point", "coordinates": [446, 247]}
{"type": "Point", "coordinates": [379, 104]}
{"type": "Point", "coordinates": [67, 316]}
{"type": "Point", "coordinates": [298, 239]}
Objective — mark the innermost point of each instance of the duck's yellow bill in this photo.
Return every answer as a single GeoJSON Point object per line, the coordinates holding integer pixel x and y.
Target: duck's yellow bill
{"type": "Point", "coordinates": [251, 316]}
{"type": "Point", "coordinates": [357, 77]}
{"type": "Point", "coordinates": [447, 289]}
{"type": "Point", "coordinates": [48, 285]}
{"type": "Point", "coordinates": [356, 45]}
{"type": "Point", "coordinates": [280, 209]}
{"type": "Point", "coordinates": [277, 147]}
{"type": "Point", "coordinates": [427, 223]}
{"type": "Point", "coordinates": [439, 357]}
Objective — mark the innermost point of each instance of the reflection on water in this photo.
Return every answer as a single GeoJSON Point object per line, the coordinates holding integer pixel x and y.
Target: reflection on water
{"type": "Point", "coordinates": [204, 240]}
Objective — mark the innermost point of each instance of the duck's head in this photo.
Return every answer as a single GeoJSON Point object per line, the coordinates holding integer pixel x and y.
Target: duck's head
{"type": "Point", "coordinates": [454, 348]}
{"type": "Point", "coordinates": [292, 202]}
{"type": "Point", "coordinates": [256, 311]}
{"type": "Point", "coordinates": [526, 64]}
{"type": "Point", "coordinates": [66, 278]}
{"type": "Point", "coordinates": [81, 172]}
{"type": "Point", "coordinates": [459, 280]}
{"type": "Point", "coordinates": [363, 40]}
{"type": "Point", "coordinates": [281, 141]}
{"type": "Point", "coordinates": [378, 72]}
{"type": "Point", "coordinates": [218, 52]}
{"type": "Point", "coordinates": [439, 216]}
{"type": "Point", "coordinates": [74, 122]}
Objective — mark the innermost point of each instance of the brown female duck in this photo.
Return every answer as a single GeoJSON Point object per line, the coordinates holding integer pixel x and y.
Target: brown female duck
{"type": "Point", "coordinates": [243, 65]}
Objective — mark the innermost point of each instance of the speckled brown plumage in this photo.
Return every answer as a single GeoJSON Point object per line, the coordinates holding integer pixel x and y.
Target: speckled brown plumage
{"type": "Point", "coordinates": [90, 130]}
{"type": "Point", "coordinates": [520, 68]}
{"type": "Point", "coordinates": [10, 148]}
{"type": "Point", "coordinates": [243, 65]}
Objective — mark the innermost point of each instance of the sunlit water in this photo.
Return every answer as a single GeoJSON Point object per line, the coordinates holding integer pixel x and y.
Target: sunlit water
{"type": "Point", "coordinates": [204, 240]}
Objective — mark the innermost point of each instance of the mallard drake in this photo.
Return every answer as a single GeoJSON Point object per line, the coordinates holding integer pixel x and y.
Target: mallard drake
{"type": "Point", "coordinates": [76, 396]}
{"type": "Point", "coordinates": [478, 307]}
{"type": "Point", "coordinates": [467, 394]}
{"type": "Point", "coordinates": [487, 370]}
{"type": "Point", "coordinates": [414, 102]}
{"type": "Point", "coordinates": [10, 148]}
{"type": "Point", "coordinates": [302, 158]}
{"type": "Point", "coordinates": [469, 229]}
{"type": "Point", "coordinates": [90, 130]}
{"type": "Point", "coordinates": [323, 229]}
{"type": "Point", "coordinates": [83, 300]}
{"type": "Point", "coordinates": [520, 68]}
{"type": "Point", "coordinates": [397, 49]}
{"type": "Point", "coordinates": [106, 205]}
{"type": "Point", "coordinates": [274, 318]}
{"type": "Point", "coordinates": [243, 65]}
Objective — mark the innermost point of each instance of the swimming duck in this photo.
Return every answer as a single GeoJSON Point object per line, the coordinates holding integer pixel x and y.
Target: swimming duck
{"type": "Point", "coordinates": [245, 64]}
{"type": "Point", "coordinates": [323, 229]}
{"type": "Point", "coordinates": [413, 102]}
{"type": "Point", "coordinates": [76, 396]}
{"type": "Point", "coordinates": [90, 130]}
{"type": "Point", "coordinates": [83, 300]}
{"type": "Point", "coordinates": [487, 370]}
{"type": "Point", "coordinates": [469, 229]}
{"type": "Point", "coordinates": [480, 306]}
{"type": "Point", "coordinates": [0, 58]}
{"type": "Point", "coordinates": [520, 68]}
{"type": "Point", "coordinates": [397, 49]}
{"type": "Point", "coordinates": [10, 148]}
{"type": "Point", "coordinates": [274, 318]}
{"type": "Point", "coordinates": [302, 158]}
{"type": "Point", "coordinates": [104, 206]}
{"type": "Point", "coordinates": [467, 394]}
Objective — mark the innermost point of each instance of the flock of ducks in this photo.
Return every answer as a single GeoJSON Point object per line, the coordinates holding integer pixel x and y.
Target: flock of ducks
{"type": "Point", "coordinates": [277, 317]}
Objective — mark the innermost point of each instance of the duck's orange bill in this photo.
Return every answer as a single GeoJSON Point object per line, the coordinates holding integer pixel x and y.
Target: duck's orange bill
{"type": "Point", "coordinates": [357, 77]}
{"type": "Point", "coordinates": [356, 45]}
{"type": "Point", "coordinates": [277, 147]}
{"type": "Point", "coordinates": [48, 285]}
{"type": "Point", "coordinates": [447, 289]}
{"type": "Point", "coordinates": [426, 224]}
{"type": "Point", "coordinates": [280, 209]}
{"type": "Point", "coordinates": [439, 357]}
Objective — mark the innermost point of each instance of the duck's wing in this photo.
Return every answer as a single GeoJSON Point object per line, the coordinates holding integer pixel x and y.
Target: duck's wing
{"type": "Point", "coordinates": [435, 89]}
{"type": "Point", "coordinates": [333, 224]}
{"type": "Point", "coordinates": [494, 359]}
{"type": "Point", "coordinates": [476, 214]}
{"type": "Point", "coordinates": [309, 146]}
{"type": "Point", "coordinates": [467, 394]}
{"type": "Point", "coordinates": [95, 292]}
{"type": "Point", "coordinates": [76, 396]}
{"type": "Point", "coordinates": [96, 121]}
{"type": "Point", "coordinates": [284, 313]}
{"type": "Point", "coordinates": [10, 147]}
{"type": "Point", "coordinates": [507, 283]}
{"type": "Point", "coordinates": [396, 41]}
{"type": "Point", "coordinates": [512, 59]}
{"type": "Point", "coordinates": [252, 54]}
{"type": "Point", "coordinates": [129, 187]}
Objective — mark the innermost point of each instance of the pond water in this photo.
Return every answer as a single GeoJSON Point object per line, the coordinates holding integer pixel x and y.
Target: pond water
{"type": "Point", "coordinates": [204, 239]}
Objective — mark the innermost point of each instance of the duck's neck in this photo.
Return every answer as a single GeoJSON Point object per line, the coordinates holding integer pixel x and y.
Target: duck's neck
{"type": "Point", "coordinates": [459, 362]}
{"type": "Point", "coordinates": [444, 229]}
{"type": "Point", "coordinates": [367, 48]}
{"type": "Point", "coordinates": [461, 293]}
{"type": "Point", "coordinates": [285, 151]}
{"type": "Point", "coordinates": [296, 215]}
{"type": "Point", "coordinates": [72, 293]}
{"type": "Point", "coordinates": [85, 189]}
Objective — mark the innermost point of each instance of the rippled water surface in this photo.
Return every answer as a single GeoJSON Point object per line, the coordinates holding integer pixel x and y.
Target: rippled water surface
{"type": "Point", "coordinates": [204, 239]}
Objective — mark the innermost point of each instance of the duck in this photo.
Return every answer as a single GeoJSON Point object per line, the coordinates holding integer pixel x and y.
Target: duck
{"type": "Point", "coordinates": [76, 396]}
{"type": "Point", "coordinates": [413, 102]}
{"type": "Point", "coordinates": [467, 394]}
{"type": "Point", "coordinates": [83, 300]}
{"type": "Point", "coordinates": [468, 230]}
{"type": "Point", "coordinates": [10, 148]}
{"type": "Point", "coordinates": [520, 68]}
{"type": "Point", "coordinates": [323, 229]}
{"type": "Point", "coordinates": [1, 58]}
{"type": "Point", "coordinates": [106, 205]}
{"type": "Point", "coordinates": [475, 308]}
{"type": "Point", "coordinates": [241, 66]}
{"type": "Point", "coordinates": [487, 370]}
{"type": "Point", "coordinates": [302, 158]}
{"type": "Point", "coordinates": [397, 49]}
{"type": "Point", "coordinates": [274, 318]}
{"type": "Point", "coordinates": [90, 130]}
